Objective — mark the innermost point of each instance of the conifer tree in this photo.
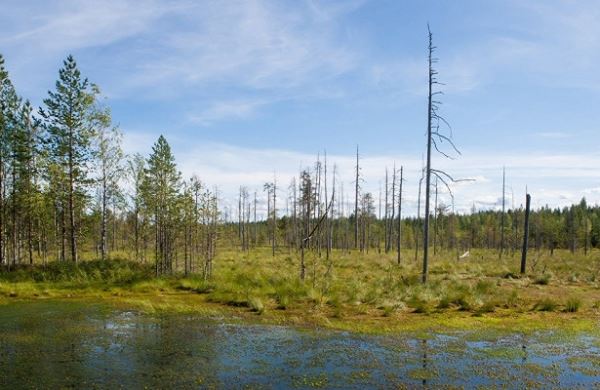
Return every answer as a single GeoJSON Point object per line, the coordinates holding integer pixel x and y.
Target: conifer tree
{"type": "Point", "coordinates": [69, 133]}
{"type": "Point", "coordinates": [161, 188]}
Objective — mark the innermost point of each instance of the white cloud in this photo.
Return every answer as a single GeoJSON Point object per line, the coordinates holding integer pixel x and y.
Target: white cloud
{"type": "Point", "coordinates": [235, 109]}
{"type": "Point", "coordinates": [58, 26]}
{"type": "Point", "coordinates": [255, 44]}
{"type": "Point", "coordinates": [229, 167]}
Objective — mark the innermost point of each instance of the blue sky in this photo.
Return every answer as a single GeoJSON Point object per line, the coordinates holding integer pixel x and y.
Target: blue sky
{"type": "Point", "coordinates": [245, 88]}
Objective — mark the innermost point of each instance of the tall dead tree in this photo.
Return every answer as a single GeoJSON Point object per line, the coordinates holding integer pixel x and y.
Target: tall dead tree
{"type": "Point", "coordinates": [525, 234]}
{"type": "Point", "coordinates": [391, 228]}
{"type": "Point", "coordinates": [435, 218]}
{"type": "Point", "coordinates": [274, 231]}
{"type": "Point", "coordinates": [418, 222]}
{"type": "Point", "coordinates": [356, 187]}
{"type": "Point", "coordinates": [385, 213]}
{"type": "Point", "coordinates": [434, 120]}
{"type": "Point", "coordinates": [399, 237]}
{"type": "Point", "coordinates": [503, 216]}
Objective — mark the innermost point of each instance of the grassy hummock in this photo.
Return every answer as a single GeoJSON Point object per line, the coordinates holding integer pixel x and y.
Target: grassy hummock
{"type": "Point", "coordinates": [360, 292]}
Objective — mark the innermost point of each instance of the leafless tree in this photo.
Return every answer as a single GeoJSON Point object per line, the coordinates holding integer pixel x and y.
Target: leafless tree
{"type": "Point", "coordinates": [434, 138]}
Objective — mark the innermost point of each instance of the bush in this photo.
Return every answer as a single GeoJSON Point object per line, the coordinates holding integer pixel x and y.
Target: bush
{"type": "Point", "coordinates": [198, 285]}
{"type": "Point", "coordinates": [542, 280]}
{"type": "Point", "coordinates": [283, 301]}
{"type": "Point", "coordinates": [444, 302]}
{"type": "Point", "coordinates": [546, 304]}
{"type": "Point", "coordinates": [388, 310]}
{"type": "Point", "coordinates": [256, 305]}
{"type": "Point", "coordinates": [484, 287]}
{"type": "Point", "coordinates": [513, 299]}
{"type": "Point", "coordinates": [572, 305]}
{"type": "Point", "coordinates": [419, 305]}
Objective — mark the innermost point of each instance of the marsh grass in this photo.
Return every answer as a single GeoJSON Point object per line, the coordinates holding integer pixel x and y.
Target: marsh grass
{"type": "Point", "coordinates": [572, 305]}
{"type": "Point", "coordinates": [359, 285]}
{"type": "Point", "coordinates": [546, 304]}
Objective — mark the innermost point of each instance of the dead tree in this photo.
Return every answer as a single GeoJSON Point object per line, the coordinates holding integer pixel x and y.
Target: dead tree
{"type": "Point", "coordinates": [399, 237]}
{"type": "Point", "coordinates": [435, 218]}
{"type": "Point", "coordinates": [391, 228]}
{"type": "Point", "coordinates": [385, 213]}
{"type": "Point", "coordinates": [503, 216]}
{"type": "Point", "coordinates": [356, 187]}
{"type": "Point", "coordinates": [418, 222]}
{"type": "Point", "coordinates": [525, 234]}
{"type": "Point", "coordinates": [434, 136]}
{"type": "Point", "coordinates": [274, 230]}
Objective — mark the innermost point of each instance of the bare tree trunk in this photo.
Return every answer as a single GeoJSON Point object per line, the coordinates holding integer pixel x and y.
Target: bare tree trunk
{"type": "Point", "coordinates": [386, 222]}
{"type": "Point", "coordinates": [525, 234]}
{"type": "Point", "coordinates": [418, 222]}
{"type": "Point", "coordinates": [356, 203]}
{"type": "Point", "coordinates": [399, 237]}
{"type": "Point", "coordinates": [255, 238]}
{"type": "Point", "coordinates": [503, 217]}
{"type": "Point", "coordinates": [428, 167]}
{"type": "Point", "coordinates": [391, 228]}
{"type": "Point", "coordinates": [274, 231]}
{"type": "Point", "coordinates": [435, 218]}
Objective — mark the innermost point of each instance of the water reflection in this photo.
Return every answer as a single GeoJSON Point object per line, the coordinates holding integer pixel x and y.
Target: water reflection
{"type": "Point", "coordinates": [58, 344]}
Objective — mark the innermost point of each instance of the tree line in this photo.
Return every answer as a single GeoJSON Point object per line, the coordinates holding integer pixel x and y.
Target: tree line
{"type": "Point", "coordinates": [62, 172]}
{"type": "Point", "coordinates": [67, 189]}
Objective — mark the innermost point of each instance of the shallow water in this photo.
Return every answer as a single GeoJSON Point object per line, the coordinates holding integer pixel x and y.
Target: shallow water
{"type": "Point", "coordinates": [55, 344]}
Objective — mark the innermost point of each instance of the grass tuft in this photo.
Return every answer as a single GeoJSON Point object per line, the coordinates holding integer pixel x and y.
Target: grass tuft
{"type": "Point", "coordinates": [572, 305]}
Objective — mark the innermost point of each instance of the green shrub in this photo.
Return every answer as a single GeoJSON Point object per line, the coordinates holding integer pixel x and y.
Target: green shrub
{"type": "Point", "coordinates": [513, 299]}
{"type": "Point", "coordinates": [388, 310]}
{"type": "Point", "coordinates": [487, 307]}
{"type": "Point", "coordinates": [283, 301]}
{"type": "Point", "coordinates": [444, 302]}
{"type": "Point", "coordinates": [546, 304]}
{"type": "Point", "coordinates": [256, 305]}
{"type": "Point", "coordinates": [572, 305]}
{"type": "Point", "coordinates": [542, 279]}
{"type": "Point", "coordinates": [418, 305]}
{"type": "Point", "coordinates": [484, 287]}
{"type": "Point", "coordinates": [198, 285]}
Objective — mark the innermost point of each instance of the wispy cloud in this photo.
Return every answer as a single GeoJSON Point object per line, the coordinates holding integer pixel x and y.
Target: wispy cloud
{"type": "Point", "coordinates": [233, 109]}
{"type": "Point", "coordinates": [59, 26]}
{"type": "Point", "coordinates": [228, 167]}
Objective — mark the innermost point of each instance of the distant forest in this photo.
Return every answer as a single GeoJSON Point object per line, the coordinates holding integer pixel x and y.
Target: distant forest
{"type": "Point", "coordinates": [68, 192]}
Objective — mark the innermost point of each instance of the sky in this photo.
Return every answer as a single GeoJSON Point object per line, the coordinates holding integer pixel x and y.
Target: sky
{"type": "Point", "coordinates": [248, 90]}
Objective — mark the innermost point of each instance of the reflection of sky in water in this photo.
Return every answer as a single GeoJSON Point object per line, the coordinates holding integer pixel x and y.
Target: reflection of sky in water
{"type": "Point", "coordinates": [53, 344]}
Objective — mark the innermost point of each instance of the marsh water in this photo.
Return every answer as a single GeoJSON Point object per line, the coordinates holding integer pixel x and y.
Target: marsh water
{"type": "Point", "coordinates": [54, 344]}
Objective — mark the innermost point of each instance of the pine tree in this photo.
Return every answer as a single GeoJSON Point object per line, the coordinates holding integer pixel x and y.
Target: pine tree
{"type": "Point", "coordinates": [6, 91]}
{"type": "Point", "coordinates": [24, 151]}
{"type": "Point", "coordinates": [161, 188]}
{"type": "Point", "coordinates": [67, 121]}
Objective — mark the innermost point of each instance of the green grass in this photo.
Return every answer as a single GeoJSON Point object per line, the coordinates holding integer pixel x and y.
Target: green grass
{"type": "Point", "coordinates": [546, 304]}
{"type": "Point", "coordinates": [572, 305]}
{"type": "Point", "coordinates": [361, 288]}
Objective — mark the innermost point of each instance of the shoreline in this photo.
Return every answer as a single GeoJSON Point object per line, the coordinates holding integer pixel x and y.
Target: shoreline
{"type": "Point", "coordinates": [503, 321]}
